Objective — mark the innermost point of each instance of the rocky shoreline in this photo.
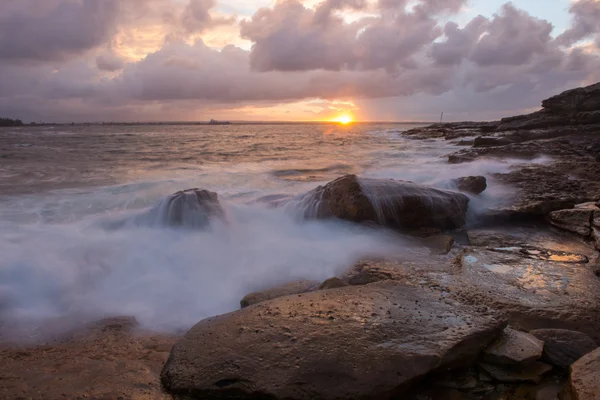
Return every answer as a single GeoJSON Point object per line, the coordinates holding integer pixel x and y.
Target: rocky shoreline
{"type": "Point", "coordinates": [508, 308]}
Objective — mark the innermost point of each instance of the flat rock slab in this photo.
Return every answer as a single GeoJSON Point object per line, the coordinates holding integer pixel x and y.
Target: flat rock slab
{"type": "Point", "coordinates": [563, 347]}
{"type": "Point", "coordinates": [532, 372]}
{"type": "Point", "coordinates": [105, 360]}
{"type": "Point", "coordinates": [584, 381]}
{"type": "Point", "coordinates": [286, 289]}
{"type": "Point", "coordinates": [362, 342]}
{"type": "Point", "coordinates": [514, 347]}
{"type": "Point", "coordinates": [576, 220]}
{"type": "Point", "coordinates": [539, 288]}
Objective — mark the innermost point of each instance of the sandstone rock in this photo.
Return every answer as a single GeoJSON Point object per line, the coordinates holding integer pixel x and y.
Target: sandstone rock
{"type": "Point", "coordinates": [563, 347]}
{"type": "Point", "coordinates": [538, 288]}
{"type": "Point", "coordinates": [394, 204]}
{"type": "Point", "coordinates": [439, 244]}
{"type": "Point", "coordinates": [532, 372]}
{"type": "Point", "coordinates": [596, 237]}
{"type": "Point", "coordinates": [577, 220]}
{"type": "Point", "coordinates": [106, 359]}
{"type": "Point", "coordinates": [193, 208]}
{"type": "Point", "coordinates": [287, 289]}
{"type": "Point", "coordinates": [513, 347]}
{"type": "Point", "coordinates": [367, 342]}
{"type": "Point", "coordinates": [365, 272]}
{"type": "Point", "coordinates": [574, 100]}
{"type": "Point", "coordinates": [471, 184]}
{"type": "Point", "coordinates": [332, 283]}
{"type": "Point", "coordinates": [584, 381]}
{"type": "Point", "coordinates": [491, 141]}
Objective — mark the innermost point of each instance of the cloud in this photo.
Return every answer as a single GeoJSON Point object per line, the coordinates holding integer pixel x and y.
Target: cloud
{"type": "Point", "coordinates": [53, 30]}
{"type": "Point", "coordinates": [388, 50]}
{"type": "Point", "coordinates": [109, 61]}
{"type": "Point", "coordinates": [586, 23]}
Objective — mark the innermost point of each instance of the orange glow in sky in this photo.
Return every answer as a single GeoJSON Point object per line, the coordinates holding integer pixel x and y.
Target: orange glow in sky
{"type": "Point", "coordinates": [343, 119]}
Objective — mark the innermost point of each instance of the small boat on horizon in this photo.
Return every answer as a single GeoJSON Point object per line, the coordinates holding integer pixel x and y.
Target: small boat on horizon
{"type": "Point", "coordinates": [215, 122]}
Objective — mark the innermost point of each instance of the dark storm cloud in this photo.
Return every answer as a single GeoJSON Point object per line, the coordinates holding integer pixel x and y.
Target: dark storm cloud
{"type": "Point", "coordinates": [50, 30]}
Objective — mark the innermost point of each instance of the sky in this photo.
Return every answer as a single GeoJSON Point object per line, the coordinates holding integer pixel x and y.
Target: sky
{"type": "Point", "coordinates": [291, 60]}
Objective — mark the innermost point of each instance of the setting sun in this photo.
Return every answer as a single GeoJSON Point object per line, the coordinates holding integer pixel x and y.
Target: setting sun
{"type": "Point", "coordinates": [343, 119]}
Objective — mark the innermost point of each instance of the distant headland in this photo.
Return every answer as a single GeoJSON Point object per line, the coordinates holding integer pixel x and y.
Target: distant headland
{"type": "Point", "coordinates": [10, 122]}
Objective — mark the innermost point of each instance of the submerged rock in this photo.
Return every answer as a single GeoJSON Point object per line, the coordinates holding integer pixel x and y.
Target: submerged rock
{"type": "Point", "coordinates": [584, 381]}
{"type": "Point", "coordinates": [471, 184]}
{"type": "Point", "coordinates": [394, 204]}
{"type": "Point", "coordinates": [563, 347]}
{"type": "Point", "coordinates": [192, 208]}
{"type": "Point", "coordinates": [367, 342]}
{"type": "Point", "coordinates": [514, 347]}
{"type": "Point", "coordinates": [296, 287]}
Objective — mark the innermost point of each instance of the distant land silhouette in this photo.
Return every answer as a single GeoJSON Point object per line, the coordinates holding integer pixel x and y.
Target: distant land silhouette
{"type": "Point", "coordinates": [10, 122]}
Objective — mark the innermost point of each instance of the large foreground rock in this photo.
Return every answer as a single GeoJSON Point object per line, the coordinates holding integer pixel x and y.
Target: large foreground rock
{"type": "Point", "coordinates": [585, 377]}
{"type": "Point", "coordinates": [395, 204]}
{"type": "Point", "coordinates": [367, 342]}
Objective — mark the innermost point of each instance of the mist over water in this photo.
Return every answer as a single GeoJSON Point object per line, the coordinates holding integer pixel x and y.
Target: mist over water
{"type": "Point", "coordinates": [62, 195]}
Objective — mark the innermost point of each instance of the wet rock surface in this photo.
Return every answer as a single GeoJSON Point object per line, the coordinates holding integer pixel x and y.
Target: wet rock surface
{"type": "Point", "coordinates": [107, 359]}
{"type": "Point", "coordinates": [532, 372]}
{"type": "Point", "coordinates": [286, 289]}
{"type": "Point", "coordinates": [538, 288]}
{"type": "Point", "coordinates": [394, 204]}
{"type": "Point", "coordinates": [192, 208]}
{"type": "Point", "coordinates": [514, 347]}
{"type": "Point", "coordinates": [584, 381]}
{"type": "Point", "coordinates": [563, 347]}
{"type": "Point", "coordinates": [472, 184]}
{"type": "Point", "coordinates": [366, 342]}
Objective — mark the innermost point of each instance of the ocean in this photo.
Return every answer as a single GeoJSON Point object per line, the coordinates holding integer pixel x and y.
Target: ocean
{"type": "Point", "coordinates": [63, 187]}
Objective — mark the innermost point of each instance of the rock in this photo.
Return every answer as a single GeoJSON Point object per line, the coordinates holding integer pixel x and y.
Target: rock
{"type": "Point", "coordinates": [394, 204]}
{"type": "Point", "coordinates": [596, 237]}
{"type": "Point", "coordinates": [538, 288]}
{"type": "Point", "coordinates": [286, 289]}
{"type": "Point", "coordinates": [574, 100]}
{"type": "Point", "coordinates": [193, 208]}
{"type": "Point", "coordinates": [439, 244]}
{"type": "Point", "coordinates": [563, 347]}
{"type": "Point", "coordinates": [491, 141]}
{"type": "Point", "coordinates": [547, 390]}
{"type": "Point", "coordinates": [513, 347]}
{"type": "Point", "coordinates": [365, 272]}
{"type": "Point", "coordinates": [577, 220]}
{"type": "Point", "coordinates": [462, 382]}
{"type": "Point", "coordinates": [332, 283]}
{"type": "Point", "coordinates": [106, 359]}
{"type": "Point", "coordinates": [368, 342]}
{"type": "Point", "coordinates": [532, 372]}
{"type": "Point", "coordinates": [584, 380]}
{"type": "Point", "coordinates": [471, 184]}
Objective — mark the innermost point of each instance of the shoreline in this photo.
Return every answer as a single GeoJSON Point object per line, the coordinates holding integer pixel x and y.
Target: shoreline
{"type": "Point", "coordinates": [476, 281]}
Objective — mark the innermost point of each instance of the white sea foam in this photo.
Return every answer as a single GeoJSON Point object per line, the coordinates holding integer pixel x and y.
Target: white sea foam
{"type": "Point", "coordinates": [60, 254]}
